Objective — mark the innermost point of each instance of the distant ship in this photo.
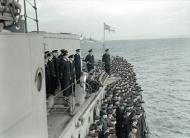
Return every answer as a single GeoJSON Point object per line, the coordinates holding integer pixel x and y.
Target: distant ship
{"type": "Point", "coordinates": [90, 39]}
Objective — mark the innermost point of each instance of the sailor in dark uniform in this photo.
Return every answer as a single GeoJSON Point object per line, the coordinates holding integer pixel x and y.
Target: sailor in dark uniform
{"type": "Point", "coordinates": [107, 61]}
{"type": "Point", "coordinates": [119, 120]}
{"type": "Point", "coordinates": [56, 66]}
{"type": "Point", "coordinates": [49, 90]}
{"type": "Point", "coordinates": [52, 73]}
{"type": "Point", "coordinates": [65, 73]}
{"type": "Point", "coordinates": [73, 74]}
{"type": "Point", "coordinates": [127, 122]}
{"type": "Point", "coordinates": [90, 61]}
{"type": "Point", "coordinates": [77, 62]}
{"type": "Point", "coordinates": [104, 122]}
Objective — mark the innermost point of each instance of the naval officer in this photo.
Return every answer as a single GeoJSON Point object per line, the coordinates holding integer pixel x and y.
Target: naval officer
{"type": "Point", "coordinates": [73, 74]}
{"type": "Point", "coordinates": [65, 72]}
{"type": "Point", "coordinates": [49, 90]}
{"type": "Point", "coordinates": [77, 62]}
{"type": "Point", "coordinates": [107, 61]}
{"type": "Point", "coordinates": [52, 72]}
{"type": "Point", "coordinates": [90, 60]}
{"type": "Point", "coordinates": [56, 66]}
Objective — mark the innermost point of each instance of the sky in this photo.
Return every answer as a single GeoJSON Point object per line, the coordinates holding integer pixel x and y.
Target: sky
{"type": "Point", "coordinates": [132, 19]}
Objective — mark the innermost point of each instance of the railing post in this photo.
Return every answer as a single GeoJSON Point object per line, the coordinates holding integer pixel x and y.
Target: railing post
{"type": "Point", "coordinates": [72, 100]}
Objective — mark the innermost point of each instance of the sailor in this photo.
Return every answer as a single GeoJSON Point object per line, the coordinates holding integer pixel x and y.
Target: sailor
{"type": "Point", "coordinates": [94, 135]}
{"type": "Point", "coordinates": [90, 60]}
{"type": "Point", "coordinates": [77, 60]}
{"type": "Point", "coordinates": [56, 65]}
{"type": "Point", "coordinates": [119, 120]}
{"type": "Point", "coordinates": [127, 122]}
{"type": "Point", "coordinates": [109, 115]}
{"type": "Point", "coordinates": [104, 122]}
{"type": "Point", "coordinates": [49, 81]}
{"type": "Point", "coordinates": [65, 73]}
{"type": "Point", "coordinates": [49, 90]}
{"type": "Point", "coordinates": [52, 72]}
{"type": "Point", "coordinates": [133, 133]}
{"type": "Point", "coordinates": [107, 61]}
{"type": "Point", "coordinates": [96, 119]}
{"type": "Point", "coordinates": [112, 133]}
{"type": "Point", "coordinates": [73, 74]}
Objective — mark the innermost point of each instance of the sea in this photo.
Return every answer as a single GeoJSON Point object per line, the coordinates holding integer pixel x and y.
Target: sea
{"type": "Point", "coordinates": [162, 67]}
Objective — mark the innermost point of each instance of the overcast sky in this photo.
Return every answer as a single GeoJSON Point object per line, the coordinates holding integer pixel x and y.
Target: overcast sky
{"type": "Point", "coordinates": [130, 18]}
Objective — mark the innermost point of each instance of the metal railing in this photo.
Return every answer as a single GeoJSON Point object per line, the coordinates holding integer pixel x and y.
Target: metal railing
{"type": "Point", "coordinates": [68, 100]}
{"type": "Point", "coordinates": [65, 99]}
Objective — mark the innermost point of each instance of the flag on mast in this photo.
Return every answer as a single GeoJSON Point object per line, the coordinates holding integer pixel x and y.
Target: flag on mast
{"type": "Point", "coordinates": [108, 27]}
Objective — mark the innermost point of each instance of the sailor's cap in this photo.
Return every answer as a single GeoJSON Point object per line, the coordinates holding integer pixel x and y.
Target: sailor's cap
{"type": "Point", "coordinates": [99, 123]}
{"type": "Point", "coordinates": [90, 50]}
{"type": "Point", "coordinates": [128, 110]}
{"type": "Point", "coordinates": [48, 55]}
{"type": "Point", "coordinates": [138, 112]}
{"type": "Point", "coordinates": [63, 51]}
{"type": "Point", "coordinates": [129, 105]}
{"type": "Point", "coordinates": [94, 135]}
{"type": "Point", "coordinates": [103, 112]}
{"type": "Point", "coordinates": [113, 119]}
{"type": "Point", "coordinates": [104, 107]}
{"type": "Point", "coordinates": [96, 117]}
{"type": "Point", "coordinates": [110, 124]}
{"type": "Point", "coordinates": [54, 51]}
{"type": "Point", "coordinates": [112, 131]}
{"type": "Point", "coordinates": [106, 49]}
{"type": "Point", "coordinates": [46, 52]}
{"type": "Point", "coordinates": [109, 111]}
{"type": "Point", "coordinates": [121, 104]}
{"type": "Point", "coordinates": [71, 56]}
{"type": "Point", "coordinates": [92, 127]}
{"type": "Point", "coordinates": [114, 107]}
{"type": "Point", "coordinates": [134, 126]}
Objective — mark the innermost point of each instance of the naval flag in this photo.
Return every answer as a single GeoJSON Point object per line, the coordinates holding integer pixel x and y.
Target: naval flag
{"type": "Point", "coordinates": [108, 27]}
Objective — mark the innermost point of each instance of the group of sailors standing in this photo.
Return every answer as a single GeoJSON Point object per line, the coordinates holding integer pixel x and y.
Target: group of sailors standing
{"type": "Point", "coordinates": [121, 114]}
{"type": "Point", "coordinates": [106, 61]}
{"type": "Point", "coordinates": [62, 71]}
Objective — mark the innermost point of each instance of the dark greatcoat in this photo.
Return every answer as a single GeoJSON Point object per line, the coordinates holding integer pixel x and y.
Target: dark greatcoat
{"type": "Point", "coordinates": [73, 76]}
{"type": "Point", "coordinates": [119, 122]}
{"type": "Point", "coordinates": [52, 75]}
{"type": "Point", "coordinates": [77, 67]}
{"type": "Point", "coordinates": [127, 125]}
{"type": "Point", "coordinates": [106, 59]}
{"type": "Point", "coordinates": [65, 76]}
{"type": "Point", "coordinates": [90, 62]}
{"type": "Point", "coordinates": [49, 90]}
{"type": "Point", "coordinates": [56, 66]}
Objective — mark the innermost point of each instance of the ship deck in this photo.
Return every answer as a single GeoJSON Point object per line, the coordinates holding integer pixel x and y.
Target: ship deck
{"type": "Point", "coordinates": [59, 121]}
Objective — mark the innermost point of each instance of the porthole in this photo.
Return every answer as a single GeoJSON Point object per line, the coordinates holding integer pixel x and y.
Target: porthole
{"type": "Point", "coordinates": [38, 79]}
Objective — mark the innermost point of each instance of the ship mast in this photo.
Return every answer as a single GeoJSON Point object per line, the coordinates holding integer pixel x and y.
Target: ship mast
{"type": "Point", "coordinates": [28, 17]}
{"type": "Point", "coordinates": [108, 28]}
{"type": "Point", "coordinates": [103, 37]}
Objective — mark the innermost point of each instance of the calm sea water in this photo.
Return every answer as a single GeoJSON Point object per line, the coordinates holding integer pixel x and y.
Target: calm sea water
{"type": "Point", "coordinates": [163, 71]}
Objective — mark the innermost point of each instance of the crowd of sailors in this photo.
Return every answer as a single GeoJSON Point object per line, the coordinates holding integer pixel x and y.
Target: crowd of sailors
{"type": "Point", "coordinates": [63, 71]}
{"type": "Point", "coordinates": [121, 114]}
